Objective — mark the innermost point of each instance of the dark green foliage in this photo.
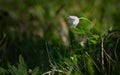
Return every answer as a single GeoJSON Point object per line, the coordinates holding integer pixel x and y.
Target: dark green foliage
{"type": "Point", "coordinates": [38, 30]}
{"type": "Point", "coordinates": [22, 69]}
{"type": "Point", "coordinates": [3, 71]}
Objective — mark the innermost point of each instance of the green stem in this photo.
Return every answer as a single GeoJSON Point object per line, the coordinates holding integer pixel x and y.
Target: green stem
{"type": "Point", "coordinates": [83, 18]}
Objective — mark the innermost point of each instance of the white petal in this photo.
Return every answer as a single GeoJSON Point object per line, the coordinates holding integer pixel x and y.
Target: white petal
{"type": "Point", "coordinates": [73, 20]}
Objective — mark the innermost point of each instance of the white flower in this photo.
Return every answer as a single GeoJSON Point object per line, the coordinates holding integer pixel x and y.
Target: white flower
{"type": "Point", "coordinates": [73, 20]}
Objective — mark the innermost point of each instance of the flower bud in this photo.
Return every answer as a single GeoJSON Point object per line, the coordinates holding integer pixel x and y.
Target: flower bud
{"type": "Point", "coordinates": [73, 20]}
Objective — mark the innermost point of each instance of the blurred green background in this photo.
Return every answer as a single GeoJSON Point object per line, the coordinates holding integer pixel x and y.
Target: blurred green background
{"type": "Point", "coordinates": [38, 30]}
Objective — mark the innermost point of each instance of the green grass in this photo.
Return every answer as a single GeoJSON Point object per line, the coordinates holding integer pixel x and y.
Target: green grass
{"type": "Point", "coordinates": [36, 38]}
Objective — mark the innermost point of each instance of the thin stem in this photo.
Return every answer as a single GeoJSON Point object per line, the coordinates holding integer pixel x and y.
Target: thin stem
{"type": "Point", "coordinates": [116, 45]}
{"type": "Point", "coordinates": [83, 18]}
{"type": "Point", "coordinates": [50, 72]}
{"type": "Point", "coordinates": [102, 53]}
{"type": "Point", "coordinates": [93, 61]}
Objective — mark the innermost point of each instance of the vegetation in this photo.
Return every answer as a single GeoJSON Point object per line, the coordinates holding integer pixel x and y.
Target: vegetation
{"type": "Point", "coordinates": [36, 38]}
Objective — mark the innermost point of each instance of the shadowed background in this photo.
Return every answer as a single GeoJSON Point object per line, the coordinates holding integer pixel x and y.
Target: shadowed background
{"type": "Point", "coordinates": [31, 27]}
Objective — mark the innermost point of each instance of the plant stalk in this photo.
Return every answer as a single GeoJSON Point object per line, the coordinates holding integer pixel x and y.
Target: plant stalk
{"type": "Point", "coordinates": [102, 53]}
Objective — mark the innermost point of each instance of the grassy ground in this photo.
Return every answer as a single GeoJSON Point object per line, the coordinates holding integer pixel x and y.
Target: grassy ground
{"type": "Point", "coordinates": [36, 38]}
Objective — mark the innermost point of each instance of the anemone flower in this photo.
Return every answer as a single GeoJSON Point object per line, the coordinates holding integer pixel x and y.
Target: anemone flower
{"type": "Point", "coordinates": [73, 20]}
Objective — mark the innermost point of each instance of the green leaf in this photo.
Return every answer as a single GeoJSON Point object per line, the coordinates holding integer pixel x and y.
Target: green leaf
{"type": "Point", "coordinates": [111, 28]}
{"type": "Point", "coordinates": [2, 71]}
{"type": "Point", "coordinates": [20, 70]}
{"type": "Point", "coordinates": [95, 36]}
{"type": "Point", "coordinates": [93, 41]}
{"type": "Point", "coordinates": [70, 70]}
{"type": "Point", "coordinates": [78, 31]}
{"type": "Point", "coordinates": [22, 66]}
{"type": "Point", "coordinates": [74, 59]}
{"type": "Point", "coordinates": [35, 71]}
